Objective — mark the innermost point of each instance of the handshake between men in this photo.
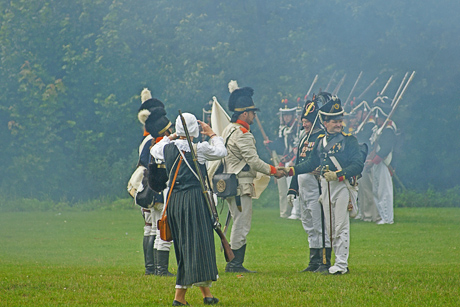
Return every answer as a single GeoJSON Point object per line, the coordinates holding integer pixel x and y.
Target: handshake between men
{"type": "Point", "coordinates": [289, 171]}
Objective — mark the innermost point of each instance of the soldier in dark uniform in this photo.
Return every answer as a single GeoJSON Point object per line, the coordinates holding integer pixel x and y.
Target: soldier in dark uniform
{"type": "Point", "coordinates": [156, 251]}
{"type": "Point", "coordinates": [339, 156]}
{"type": "Point", "coordinates": [306, 187]}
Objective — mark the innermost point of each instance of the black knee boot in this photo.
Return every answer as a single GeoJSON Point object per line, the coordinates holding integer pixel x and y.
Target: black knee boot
{"type": "Point", "coordinates": [315, 260]}
{"type": "Point", "coordinates": [162, 260]}
{"type": "Point", "coordinates": [324, 267]}
{"type": "Point", "coordinates": [236, 265]}
{"type": "Point", "coordinates": [149, 257]}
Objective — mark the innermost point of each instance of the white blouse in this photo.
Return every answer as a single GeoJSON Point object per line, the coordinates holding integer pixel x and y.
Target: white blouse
{"type": "Point", "coordinates": [205, 151]}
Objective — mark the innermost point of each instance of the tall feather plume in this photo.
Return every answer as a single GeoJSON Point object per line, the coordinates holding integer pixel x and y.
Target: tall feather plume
{"type": "Point", "coordinates": [232, 85]}
{"type": "Point", "coordinates": [143, 115]}
{"type": "Point", "coordinates": [145, 95]}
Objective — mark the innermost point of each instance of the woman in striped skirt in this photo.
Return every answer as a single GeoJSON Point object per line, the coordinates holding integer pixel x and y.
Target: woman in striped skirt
{"type": "Point", "coordinates": [188, 215]}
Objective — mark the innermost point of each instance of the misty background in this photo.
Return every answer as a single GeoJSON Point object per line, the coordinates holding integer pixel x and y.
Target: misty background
{"type": "Point", "coordinates": [72, 71]}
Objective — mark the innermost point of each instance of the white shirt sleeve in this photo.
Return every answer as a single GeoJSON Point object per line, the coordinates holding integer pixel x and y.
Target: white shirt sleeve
{"type": "Point", "coordinates": [209, 152]}
{"type": "Point", "coordinates": [157, 149]}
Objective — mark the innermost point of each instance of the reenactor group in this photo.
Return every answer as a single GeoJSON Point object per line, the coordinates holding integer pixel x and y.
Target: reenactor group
{"type": "Point", "coordinates": [322, 153]}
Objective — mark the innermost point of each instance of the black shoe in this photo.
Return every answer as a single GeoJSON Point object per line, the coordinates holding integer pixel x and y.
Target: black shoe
{"type": "Point", "coordinates": [177, 303]}
{"type": "Point", "coordinates": [210, 300]}
{"type": "Point", "coordinates": [310, 268]}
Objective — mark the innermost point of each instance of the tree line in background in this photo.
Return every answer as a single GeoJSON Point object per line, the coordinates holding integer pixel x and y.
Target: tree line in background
{"type": "Point", "coordinates": [72, 73]}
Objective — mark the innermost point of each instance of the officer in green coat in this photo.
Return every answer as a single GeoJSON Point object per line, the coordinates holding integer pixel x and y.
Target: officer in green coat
{"type": "Point", "coordinates": [341, 161]}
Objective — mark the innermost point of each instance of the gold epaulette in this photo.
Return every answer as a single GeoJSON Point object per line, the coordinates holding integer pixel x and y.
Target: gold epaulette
{"type": "Point", "coordinates": [321, 136]}
{"type": "Point", "coordinates": [346, 134]}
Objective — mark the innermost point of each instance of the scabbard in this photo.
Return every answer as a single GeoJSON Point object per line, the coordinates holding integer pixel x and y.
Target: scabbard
{"type": "Point", "coordinates": [238, 203]}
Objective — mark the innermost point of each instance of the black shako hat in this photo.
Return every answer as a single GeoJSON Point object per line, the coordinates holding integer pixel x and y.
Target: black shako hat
{"type": "Point", "coordinates": [240, 99]}
{"type": "Point", "coordinates": [152, 114]}
{"type": "Point", "coordinates": [310, 111]}
{"type": "Point", "coordinates": [287, 107]}
{"type": "Point", "coordinates": [331, 110]}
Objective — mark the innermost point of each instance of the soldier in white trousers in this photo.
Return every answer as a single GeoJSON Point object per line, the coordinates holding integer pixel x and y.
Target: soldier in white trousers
{"type": "Point", "coordinates": [156, 251]}
{"type": "Point", "coordinates": [306, 190]}
{"type": "Point", "coordinates": [341, 160]}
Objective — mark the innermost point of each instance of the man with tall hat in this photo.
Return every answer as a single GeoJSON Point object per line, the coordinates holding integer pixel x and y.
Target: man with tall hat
{"type": "Point", "coordinates": [156, 125]}
{"type": "Point", "coordinates": [242, 160]}
{"type": "Point", "coordinates": [339, 156]}
{"type": "Point", "coordinates": [382, 142]}
{"type": "Point", "coordinates": [306, 188]}
{"type": "Point", "coordinates": [284, 146]}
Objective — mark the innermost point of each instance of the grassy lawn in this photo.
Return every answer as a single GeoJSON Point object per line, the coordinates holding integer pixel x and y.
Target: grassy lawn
{"type": "Point", "coordinates": [96, 258]}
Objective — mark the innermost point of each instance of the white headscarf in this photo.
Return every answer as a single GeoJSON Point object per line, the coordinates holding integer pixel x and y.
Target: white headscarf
{"type": "Point", "coordinates": [192, 125]}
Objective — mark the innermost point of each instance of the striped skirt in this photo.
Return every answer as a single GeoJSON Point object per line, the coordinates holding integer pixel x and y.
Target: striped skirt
{"type": "Point", "coordinates": [192, 232]}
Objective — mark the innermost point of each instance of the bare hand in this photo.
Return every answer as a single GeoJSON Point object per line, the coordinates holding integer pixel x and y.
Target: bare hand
{"type": "Point", "coordinates": [205, 129]}
{"type": "Point", "coordinates": [173, 136]}
{"type": "Point", "coordinates": [280, 173]}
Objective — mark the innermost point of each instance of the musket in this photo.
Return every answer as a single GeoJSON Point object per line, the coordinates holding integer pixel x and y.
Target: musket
{"type": "Point", "coordinates": [353, 88]}
{"type": "Point", "coordinates": [380, 130]}
{"type": "Point", "coordinates": [311, 87]}
{"type": "Point", "coordinates": [337, 88]}
{"type": "Point", "coordinates": [386, 85]}
{"type": "Point", "coordinates": [395, 105]}
{"type": "Point", "coordinates": [330, 81]}
{"type": "Point", "coordinates": [227, 223]}
{"type": "Point", "coordinates": [273, 154]}
{"type": "Point", "coordinates": [399, 88]}
{"type": "Point", "coordinates": [229, 256]}
{"type": "Point", "coordinates": [367, 88]}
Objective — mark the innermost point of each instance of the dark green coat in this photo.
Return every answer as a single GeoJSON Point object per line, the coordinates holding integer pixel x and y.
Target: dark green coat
{"type": "Point", "coordinates": [346, 151]}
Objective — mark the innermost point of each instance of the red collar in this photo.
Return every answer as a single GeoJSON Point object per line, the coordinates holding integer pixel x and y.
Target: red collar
{"type": "Point", "coordinates": [243, 123]}
{"type": "Point", "coordinates": [146, 133]}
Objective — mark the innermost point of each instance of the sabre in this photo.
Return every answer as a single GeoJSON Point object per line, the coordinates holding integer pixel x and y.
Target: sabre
{"type": "Point", "coordinates": [229, 256]}
{"type": "Point", "coordinates": [330, 206]}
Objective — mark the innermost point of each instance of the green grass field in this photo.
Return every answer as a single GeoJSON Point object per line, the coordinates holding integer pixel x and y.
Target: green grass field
{"type": "Point", "coordinates": [96, 258]}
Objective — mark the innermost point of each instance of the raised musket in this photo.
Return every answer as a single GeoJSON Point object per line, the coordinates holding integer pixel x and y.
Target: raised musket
{"type": "Point", "coordinates": [330, 81]}
{"type": "Point", "coordinates": [337, 88]}
{"type": "Point", "coordinates": [386, 85]}
{"type": "Point", "coordinates": [399, 88]}
{"type": "Point", "coordinates": [311, 88]}
{"type": "Point", "coordinates": [207, 193]}
{"type": "Point", "coordinates": [353, 88]}
{"type": "Point", "coordinates": [367, 88]}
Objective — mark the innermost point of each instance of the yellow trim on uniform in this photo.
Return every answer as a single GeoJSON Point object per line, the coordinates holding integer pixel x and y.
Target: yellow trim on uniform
{"type": "Point", "coordinates": [165, 128]}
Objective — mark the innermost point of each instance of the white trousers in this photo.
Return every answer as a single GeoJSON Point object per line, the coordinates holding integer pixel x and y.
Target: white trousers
{"type": "Point", "coordinates": [338, 213]}
{"type": "Point", "coordinates": [366, 204]}
{"type": "Point", "coordinates": [382, 187]}
{"type": "Point", "coordinates": [151, 216]}
{"type": "Point", "coordinates": [283, 186]}
{"type": "Point", "coordinates": [241, 221]}
{"type": "Point", "coordinates": [310, 211]}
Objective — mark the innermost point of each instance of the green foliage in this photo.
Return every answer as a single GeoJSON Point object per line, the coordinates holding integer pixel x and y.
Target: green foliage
{"type": "Point", "coordinates": [429, 198]}
{"type": "Point", "coordinates": [72, 73]}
